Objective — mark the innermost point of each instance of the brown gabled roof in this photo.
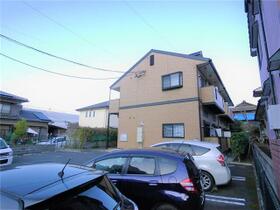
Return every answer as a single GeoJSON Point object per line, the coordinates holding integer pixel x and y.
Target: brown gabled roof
{"type": "Point", "coordinates": [244, 106]}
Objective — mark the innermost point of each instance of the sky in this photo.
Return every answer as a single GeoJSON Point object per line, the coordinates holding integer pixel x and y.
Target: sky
{"type": "Point", "coordinates": [115, 35]}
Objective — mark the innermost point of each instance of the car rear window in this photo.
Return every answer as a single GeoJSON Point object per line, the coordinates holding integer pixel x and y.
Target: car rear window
{"type": "Point", "coordinates": [112, 165]}
{"type": "Point", "coordinates": [198, 150]}
{"type": "Point", "coordinates": [166, 166]}
{"type": "Point", "coordinates": [141, 165]}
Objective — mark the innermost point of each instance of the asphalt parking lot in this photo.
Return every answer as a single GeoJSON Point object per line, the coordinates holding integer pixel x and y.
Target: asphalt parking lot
{"type": "Point", "coordinates": [240, 194]}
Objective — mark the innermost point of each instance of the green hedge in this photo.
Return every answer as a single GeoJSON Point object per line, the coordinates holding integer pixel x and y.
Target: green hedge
{"type": "Point", "coordinates": [86, 134]}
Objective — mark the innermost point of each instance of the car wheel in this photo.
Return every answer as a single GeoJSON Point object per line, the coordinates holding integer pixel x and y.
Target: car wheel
{"type": "Point", "coordinates": [165, 207]}
{"type": "Point", "coordinates": [207, 181]}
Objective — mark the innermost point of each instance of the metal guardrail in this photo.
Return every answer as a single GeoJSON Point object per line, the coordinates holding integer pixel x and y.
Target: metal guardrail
{"type": "Point", "coordinates": [266, 179]}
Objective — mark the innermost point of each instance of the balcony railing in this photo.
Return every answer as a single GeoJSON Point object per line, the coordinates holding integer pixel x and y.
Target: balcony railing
{"type": "Point", "coordinates": [228, 112]}
{"type": "Point", "coordinates": [210, 96]}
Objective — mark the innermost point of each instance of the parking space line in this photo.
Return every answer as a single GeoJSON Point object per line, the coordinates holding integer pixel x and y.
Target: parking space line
{"type": "Point", "coordinates": [225, 201]}
{"type": "Point", "coordinates": [238, 178]}
{"type": "Point", "coordinates": [226, 197]}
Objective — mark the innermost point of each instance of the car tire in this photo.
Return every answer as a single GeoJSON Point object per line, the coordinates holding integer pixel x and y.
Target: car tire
{"type": "Point", "coordinates": [207, 181]}
{"type": "Point", "coordinates": [165, 207]}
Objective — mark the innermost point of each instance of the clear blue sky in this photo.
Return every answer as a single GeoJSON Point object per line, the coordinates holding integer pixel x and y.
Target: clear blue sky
{"type": "Point", "coordinates": [114, 35]}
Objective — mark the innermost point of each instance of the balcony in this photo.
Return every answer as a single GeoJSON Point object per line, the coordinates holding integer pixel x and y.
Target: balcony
{"type": "Point", "coordinates": [227, 115]}
{"type": "Point", "coordinates": [211, 97]}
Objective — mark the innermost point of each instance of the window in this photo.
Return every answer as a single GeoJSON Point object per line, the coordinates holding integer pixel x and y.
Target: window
{"type": "Point", "coordinates": [86, 113]}
{"type": "Point", "coordinates": [166, 166]}
{"type": "Point", "coordinates": [172, 81]}
{"type": "Point", "coordinates": [93, 113]}
{"type": "Point", "coordinates": [112, 165]}
{"type": "Point", "coordinates": [152, 60]}
{"type": "Point", "coordinates": [5, 108]}
{"type": "Point", "coordinates": [176, 130]}
{"type": "Point", "coordinates": [89, 113]}
{"type": "Point", "coordinates": [185, 148]}
{"type": "Point", "coordinates": [142, 165]}
{"type": "Point", "coordinates": [199, 150]}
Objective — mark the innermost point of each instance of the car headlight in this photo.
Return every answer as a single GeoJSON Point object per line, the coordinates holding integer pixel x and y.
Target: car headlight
{"type": "Point", "coordinates": [10, 153]}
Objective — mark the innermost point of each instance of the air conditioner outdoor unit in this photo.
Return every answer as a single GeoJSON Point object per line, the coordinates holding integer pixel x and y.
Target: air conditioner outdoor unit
{"type": "Point", "coordinates": [273, 114]}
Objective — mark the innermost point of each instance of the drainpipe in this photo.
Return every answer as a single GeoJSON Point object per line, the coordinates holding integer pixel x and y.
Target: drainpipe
{"type": "Point", "coordinates": [267, 55]}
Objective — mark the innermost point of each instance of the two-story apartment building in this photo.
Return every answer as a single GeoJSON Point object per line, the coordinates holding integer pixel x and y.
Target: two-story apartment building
{"type": "Point", "coordinates": [168, 95]}
{"type": "Point", "coordinates": [11, 111]}
{"type": "Point", "coordinates": [264, 39]}
{"type": "Point", "coordinates": [96, 115]}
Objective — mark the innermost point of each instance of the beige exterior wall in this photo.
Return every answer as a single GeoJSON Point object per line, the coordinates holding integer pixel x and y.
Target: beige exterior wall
{"type": "Point", "coordinates": [99, 120]}
{"type": "Point", "coordinates": [152, 118]}
{"type": "Point", "coordinates": [114, 106]}
{"type": "Point", "coordinates": [148, 88]}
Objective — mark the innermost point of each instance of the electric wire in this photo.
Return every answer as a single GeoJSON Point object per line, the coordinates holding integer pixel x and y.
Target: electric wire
{"type": "Point", "coordinates": [147, 23]}
{"type": "Point", "coordinates": [53, 72]}
{"type": "Point", "coordinates": [62, 26]}
{"type": "Point", "coordinates": [55, 56]}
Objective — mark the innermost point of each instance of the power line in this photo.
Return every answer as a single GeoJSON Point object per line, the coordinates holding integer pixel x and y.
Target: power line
{"type": "Point", "coordinates": [58, 57]}
{"type": "Point", "coordinates": [56, 73]}
{"type": "Point", "coordinates": [141, 17]}
{"type": "Point", "coordinates": [62, 25]}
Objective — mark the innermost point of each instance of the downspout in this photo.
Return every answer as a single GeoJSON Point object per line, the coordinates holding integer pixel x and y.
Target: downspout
{"type": "Point", "coordinates": [199, 108]}
{"type": "Point", "coordinates": [267, 55]}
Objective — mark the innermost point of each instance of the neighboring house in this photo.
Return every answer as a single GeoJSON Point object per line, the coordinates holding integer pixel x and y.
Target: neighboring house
{"type": "Point", "coordinates": [168, 95]}
{"type": "Point", "coordinates": [244, 111]}
{"type": "Point", "coordinates": [96, 116]}
{"type": "Point", "coordinates": [59, 121]}
{"type": "Point", "coordinates": [12, 112]}
{"type": "Point", "coordinates": [264, 37]}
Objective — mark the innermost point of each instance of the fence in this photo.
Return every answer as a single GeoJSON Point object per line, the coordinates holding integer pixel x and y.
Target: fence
{"type": "Point", "coordinates": [31, 149]}
{"type": "Point", "coordinates": [266, 179]}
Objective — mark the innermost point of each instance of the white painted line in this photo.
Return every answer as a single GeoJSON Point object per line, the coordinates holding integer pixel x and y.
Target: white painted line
{"type": "Point", "coordinates": [227, 202]}
{"type": "Point", "coordinates": [225, 197]}
{"type": "Point", "coordinates": [238, 178]}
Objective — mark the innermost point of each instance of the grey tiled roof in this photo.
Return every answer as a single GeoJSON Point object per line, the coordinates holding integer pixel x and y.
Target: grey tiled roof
{"type": "Point", "coordinates": [5, 95]}
{"type": "Point", "coordinates": [244, 106]}
{"type": "Point", "coordinates": [101, 105]}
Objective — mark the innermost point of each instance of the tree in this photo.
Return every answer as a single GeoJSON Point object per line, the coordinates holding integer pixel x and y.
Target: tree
{"type": "Point", "coordinates": [239, 142]}
{"type": "Point", "coordinates": [83, 135]}
{"type": "Point", "coordinates": [20, 130]}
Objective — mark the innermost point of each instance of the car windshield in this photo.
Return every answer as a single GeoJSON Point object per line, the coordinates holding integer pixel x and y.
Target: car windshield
{"type": "Point", "coordinates": [3, 144]}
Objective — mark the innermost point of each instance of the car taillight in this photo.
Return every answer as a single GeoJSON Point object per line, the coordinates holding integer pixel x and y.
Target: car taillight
{"type": "Point", "coordinates": [188, 185]}
{"type": "Point", "coordinates": [221, 159]}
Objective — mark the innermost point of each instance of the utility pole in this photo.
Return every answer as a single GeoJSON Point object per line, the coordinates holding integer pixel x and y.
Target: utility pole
{"type": "Point", "coordinates": [108, 122]}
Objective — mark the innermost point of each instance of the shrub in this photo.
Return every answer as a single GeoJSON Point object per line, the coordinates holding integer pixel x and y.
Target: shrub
{"type": "Point", "coordinates": [239, 143]}
{"type": "Point", "coordinates": [20, 131]}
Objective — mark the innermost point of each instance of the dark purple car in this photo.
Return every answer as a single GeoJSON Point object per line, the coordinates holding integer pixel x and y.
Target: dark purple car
{"type": "Point", "coordinates": [154, 179]}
